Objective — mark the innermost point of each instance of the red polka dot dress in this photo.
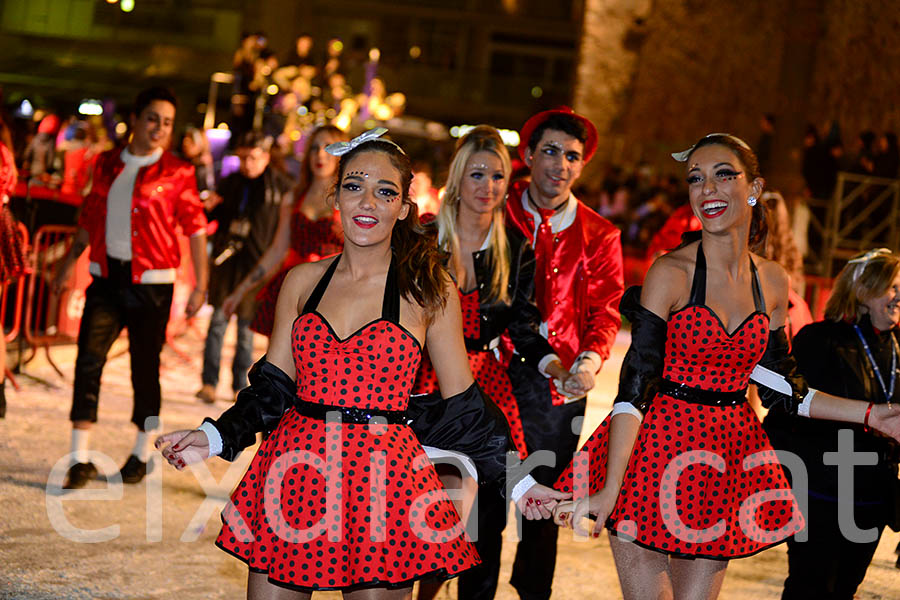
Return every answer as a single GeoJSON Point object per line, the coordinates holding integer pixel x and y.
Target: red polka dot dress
{"type": "Point", "coordinates": [310, 241]}
{"type": "Point", "coordinates": [487, 370]}
{"type": "Point", "coordinates": [702, 480]}
{"type": "Point", "coordinates": [327, 505]}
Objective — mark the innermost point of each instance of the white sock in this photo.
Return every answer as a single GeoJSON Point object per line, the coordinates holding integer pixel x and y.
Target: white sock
{"type": "Point", "coordinates": [140, 446]}
{"type": "Point", "coordinates": [80, 439]}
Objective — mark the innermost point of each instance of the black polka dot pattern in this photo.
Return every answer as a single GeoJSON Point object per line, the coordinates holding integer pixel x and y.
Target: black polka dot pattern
{"type": "Point", "coordinates": [486, 369]}
{"type": "Point", "coordinates": [324, 506]}
{"type": "Point", "coordinates": [689, 488]}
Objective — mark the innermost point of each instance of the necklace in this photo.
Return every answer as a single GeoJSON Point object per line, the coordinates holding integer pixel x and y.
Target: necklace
{"type": "Point", "coordinates": [888, 392]}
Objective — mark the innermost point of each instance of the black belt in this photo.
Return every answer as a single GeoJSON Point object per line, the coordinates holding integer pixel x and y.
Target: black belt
{"type": "Point", "coordinates": [357, 415]}
{"type": "Point", "coordinates": [698, 396]}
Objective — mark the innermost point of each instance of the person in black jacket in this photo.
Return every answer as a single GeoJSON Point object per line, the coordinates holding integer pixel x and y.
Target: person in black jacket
{"type": "Point", "coordinates": [852, 353]}
{"type": "Point", "coordinates": [248, 208]}
{"type": "Point", "coordinates": [493, 267]}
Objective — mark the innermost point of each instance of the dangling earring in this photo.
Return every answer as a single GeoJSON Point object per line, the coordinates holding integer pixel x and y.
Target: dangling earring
{"type": "Point", "coordinates": [751, 200]}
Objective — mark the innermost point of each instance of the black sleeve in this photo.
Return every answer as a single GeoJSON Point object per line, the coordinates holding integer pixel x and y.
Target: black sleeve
{"type": "Point", "coordinates": [642, 368]}
{"type": "Point", "coordinates": [524, 327]}
{"type": "Point", "coordinates": [468, 423]}
{"type": "Point", "coordinates": [258, 408]}
{"type": "Point", "coordinates": [778, 358]}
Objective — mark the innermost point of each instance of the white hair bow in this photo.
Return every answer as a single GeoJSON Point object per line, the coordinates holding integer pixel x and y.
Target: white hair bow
{"type": "Point", "coordinates": [342, 148]}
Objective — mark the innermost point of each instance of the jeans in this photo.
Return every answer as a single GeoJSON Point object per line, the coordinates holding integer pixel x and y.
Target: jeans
{"type": "Point", "coordinates": [212, 352]}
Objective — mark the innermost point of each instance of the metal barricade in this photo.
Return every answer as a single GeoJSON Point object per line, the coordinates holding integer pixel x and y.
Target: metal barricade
{"type": "Point", "coordinates": [51, 317]}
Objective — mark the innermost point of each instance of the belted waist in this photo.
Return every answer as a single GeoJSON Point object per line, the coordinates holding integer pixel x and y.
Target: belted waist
{"type": "Point", "coordinates": [699, 396]}
{"type": "Point", "coordinates": [357, 415]}
{"type": "Point", "coordinates": [477, 345]}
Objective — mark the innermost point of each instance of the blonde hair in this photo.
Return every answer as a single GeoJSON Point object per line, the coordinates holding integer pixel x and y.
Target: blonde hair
{"type": "Point", "coordinates": [780, 245]}
{"type": "Point", "coordinates": [865, 277]}
{"type": "Point", "coordinates": [482, 138]}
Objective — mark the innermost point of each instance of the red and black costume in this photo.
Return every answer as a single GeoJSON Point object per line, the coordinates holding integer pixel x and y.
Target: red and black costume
{"type": "Point", "coordinates": [702, 479]}
{"type": "Point", "coordinates": [483, 324]}
{"type": "Point", "coordinates": [310, 241]}
{"type": "Point", "coordinates": [352, 504]}
{"type": "Point", "coordinates": [135, 294]}
{"type": "Point", "coordinates": [12, 259]}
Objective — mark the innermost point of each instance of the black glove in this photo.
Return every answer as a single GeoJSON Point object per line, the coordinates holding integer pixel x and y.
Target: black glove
{"type": "Point", "coordinates": [468, 423]}
{"type": "Point", "coordinates": [258, 408]}
{"type": "Point", "coordinates": [778, 358]}
{"type": "Point", "coordinates": [642, 368]}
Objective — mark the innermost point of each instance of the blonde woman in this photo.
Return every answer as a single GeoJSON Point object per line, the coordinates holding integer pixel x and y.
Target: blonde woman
{"type": "Point", "coordinates": [493, 268]}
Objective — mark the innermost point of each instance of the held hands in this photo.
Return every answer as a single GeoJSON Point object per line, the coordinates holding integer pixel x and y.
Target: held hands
{"type": "Point", "coordinates": [885, 418]}
{"type": "Point", "coordinates": [182, 448]}
{"type": "Point", "coordinates": [538, 502]}
{"type": "Point", "coordinates": [570, 514]}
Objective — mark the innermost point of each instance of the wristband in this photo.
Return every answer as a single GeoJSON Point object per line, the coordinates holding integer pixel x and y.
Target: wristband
{"type": "Point", "coordinates": [866, 427]}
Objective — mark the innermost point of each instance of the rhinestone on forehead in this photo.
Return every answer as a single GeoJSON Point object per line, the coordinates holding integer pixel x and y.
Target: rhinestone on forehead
{"type": "Point", "coordinates": [358, 173]}
{"type": "Point", "coordinates": [480, 166]}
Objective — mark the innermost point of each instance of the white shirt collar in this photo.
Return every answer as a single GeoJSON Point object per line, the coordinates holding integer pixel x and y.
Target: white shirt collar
{"type": "Point", "coordinates": [560, 220]}
{"type": "Point", "coordinates": [140, 161]}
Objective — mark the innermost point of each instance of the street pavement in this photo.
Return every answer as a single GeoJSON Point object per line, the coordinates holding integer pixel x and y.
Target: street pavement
{"type": "Point", "coordinates": [154, 540]}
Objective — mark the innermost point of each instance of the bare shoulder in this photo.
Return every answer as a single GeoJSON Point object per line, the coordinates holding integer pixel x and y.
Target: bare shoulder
{"type": "Point", "coordinates": [667, 283]}
{"type": "Point", "coordinates": [773, 279]}
{"type": "Point", "coordinates": [301, 279]}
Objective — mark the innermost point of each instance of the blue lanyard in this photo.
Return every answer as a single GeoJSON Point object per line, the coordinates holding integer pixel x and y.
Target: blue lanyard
{"type": "Point", "coordinates": [888, 393]}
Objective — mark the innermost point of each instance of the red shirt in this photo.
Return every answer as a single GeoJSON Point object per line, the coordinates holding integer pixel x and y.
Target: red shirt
{"type": "Point", "coordinates": [164, 198]}
{"type": "Point", "coordinates": [586, 278]}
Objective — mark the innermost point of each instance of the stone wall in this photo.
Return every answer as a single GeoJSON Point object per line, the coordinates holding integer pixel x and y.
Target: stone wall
{"type": "Point", "coordinates": [655, 75]}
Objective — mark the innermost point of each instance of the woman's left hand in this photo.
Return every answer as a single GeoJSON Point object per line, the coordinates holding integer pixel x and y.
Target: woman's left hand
{"type": "Point", "coordinates": [539, 501]}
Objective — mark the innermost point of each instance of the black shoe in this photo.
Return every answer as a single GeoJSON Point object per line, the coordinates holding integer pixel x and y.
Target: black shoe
{"type": "Point", "coordinates": [133, 470]}
{"type": "Point", "coordinates": [79, 474]}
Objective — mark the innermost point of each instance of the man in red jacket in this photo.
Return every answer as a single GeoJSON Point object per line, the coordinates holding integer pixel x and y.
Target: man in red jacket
{"type": "Point", "coordinates": [578, 285]}
{"type": "Point", "coordinates": [140, 196]}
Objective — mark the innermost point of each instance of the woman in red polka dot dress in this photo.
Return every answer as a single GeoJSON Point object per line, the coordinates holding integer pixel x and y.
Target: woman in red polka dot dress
{"type": "Point", "coordinates": [340, 494]}
{"type": "Point", "coordinates": [308, 230]}
{"type": "Point", "coordinates": [12, 252]}
{"type": "Point", "coordinates": [681, 472]}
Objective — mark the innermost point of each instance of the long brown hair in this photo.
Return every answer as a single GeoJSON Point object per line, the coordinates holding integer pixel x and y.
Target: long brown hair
{"type": "Point", "coordinates": [483, 138]}
{"type": "Point", "coordinates": [421, 275]}
{"type": "Point", "coordinates": [865, 277]}
{"type": "Point", "coordinates": [759, 225]}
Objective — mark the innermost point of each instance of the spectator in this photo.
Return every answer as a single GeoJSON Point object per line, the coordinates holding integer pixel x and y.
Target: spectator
{"type": "Point", "coordinates": [251, 200]}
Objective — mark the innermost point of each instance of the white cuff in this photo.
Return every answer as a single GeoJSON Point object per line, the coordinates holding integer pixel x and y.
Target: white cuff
{"type": "Point", "coordinates": [626, 408]}
{"type": "Point", "coordinates": [803, 409]}
{"type": "Point", "coordinates": [542, 366]}
{"type": "Point", "coordinates": [588, 360]}
{"type": "Point", "coordinates": [519, 490]}
{"type": "Point", "coordinates": [213, 437]}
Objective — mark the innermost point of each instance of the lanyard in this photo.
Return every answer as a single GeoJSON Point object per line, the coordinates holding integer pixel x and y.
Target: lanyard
{"type": "Point", "coordinates": [888, 393]}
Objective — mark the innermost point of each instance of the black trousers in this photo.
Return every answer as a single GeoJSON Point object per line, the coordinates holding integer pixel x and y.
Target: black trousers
{"type": "Point", "coordinates": [547, 427]}
{"type": "Point", "coordinates": [828, 566]}
{"type": "Point", "coordinates": [111, 304]}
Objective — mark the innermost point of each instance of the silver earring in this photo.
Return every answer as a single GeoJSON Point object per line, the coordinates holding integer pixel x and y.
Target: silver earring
{"type": "Point", "coordinates": [751, 200]}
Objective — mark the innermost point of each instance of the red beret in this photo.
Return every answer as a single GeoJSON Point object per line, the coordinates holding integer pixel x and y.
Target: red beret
{"type": "Point", "coordinates": [590, 144]}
